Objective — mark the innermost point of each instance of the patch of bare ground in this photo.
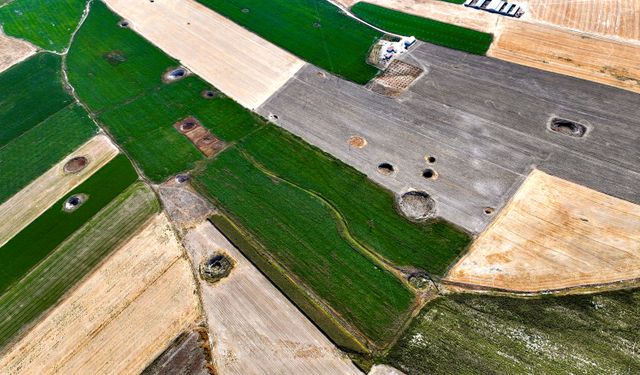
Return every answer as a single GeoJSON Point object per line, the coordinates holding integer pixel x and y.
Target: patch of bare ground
{"type": "Point", "coordinates": [34, 199]}
{"type": "Point", "coordinates": [239, 63]}
{"type": "Point", "coordinates": [200, 136]}
{"type": "Point", "coordinates": [121, 317]}
{"type": "Point", "coordinates": [396, 79]}
{"type": "Point", "coordinates": [189, 354]}
{"type": "Point", "coordinates": [384, 370]}
{"type": "Point", "coordinates": [253, 327]}
{"type": "Point", "coordinates": [554, 235]}
{"type": "Point", "coordinates": [566, 52]}
{"type": "Point", "coordinates": [13, 51]}
{"type": "Point", "coordinates": [185, 207]}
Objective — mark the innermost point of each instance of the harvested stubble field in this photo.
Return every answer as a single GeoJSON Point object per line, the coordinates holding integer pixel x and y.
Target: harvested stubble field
{"type": "Point", "coordinates": [314, 30]}
{"type": "Point", "coordinates": [30, 93]}
{"type": "Point", "coordinates": [52, 277]}
{"type": "Point", "coordinates": [425, 29]}
{"type": "Point", "coordinates": [121, 317]}
{"type": "Point", "coordinates": [13, 51]}
{"type": "Point", "coordinates": [305, 208]}
{"type": "Point", "coordinates": [30, 202]}
{"type": "Point", "coordinates": [253, 325]}
{"type": "Point", "coordinates": [43, 235]}
{"type": "Point", "coordinates": [465, 334]}
{"type": "Point", "coordinates": [136, 106]}
{"type": "Point", "coordinates": [47, 24]}
{"type": "Point", "coordinates": [249, 74]}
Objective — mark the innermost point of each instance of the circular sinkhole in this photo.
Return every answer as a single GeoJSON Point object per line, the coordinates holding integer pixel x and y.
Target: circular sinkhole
{"type": "Point", "coordinates": [417, 205]}
{"type": "Point", "coordinates": [567, 127]}
{"type": "Point", "coordinates": [245, 10]}
{"type": "Point", "coordinates": [74, 202]}
{"type": "Point", "coordinates": [430, 174]}
{"type": "Point", "coordinates": [208, 94]}
{"type": "Point", "coordinates": [175, 74]}
{"type": "Point", "coordinates": [489, 210]}
{"type": "Point", "coordinates": [123, 23]}
{"type": "Point", "coordinates": [357, 141]}
{"type": "Point", "coordinates": [76, 164]}
{"type": "Point", "coordinates": [386, 169]}
{"type": "Point", "coordinates": [430, 159]}
{"type": "Point", "coordinates": [188, 125]}
{"type": "Point", "coordinates": [217, 267]}
{"type": "Point", "coordinates": [182, 178]}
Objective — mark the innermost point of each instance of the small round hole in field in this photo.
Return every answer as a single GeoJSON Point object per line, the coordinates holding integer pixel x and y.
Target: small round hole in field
{"type": "Point", "coordinates": [385, 169]}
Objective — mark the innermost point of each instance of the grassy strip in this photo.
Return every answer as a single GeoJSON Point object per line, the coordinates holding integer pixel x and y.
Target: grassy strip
{"type": "Point", "coordinates": [38, 239]}
{"type": "Point", "coordinates": [301, 233]}
{"type": "Point", "coordinates": [30, 155]}
{"type": "Point", "coordinates": [429, 30]}
{"type": "Point", "coordinates": [314, 30]}
{"type": "Point", "coordinates": [465, 334]}
{"type": "Point", "coordinates": [294, 292]}
{"type": "Point", "coordinates": [77, 256]}
{"type": "Point", "coordinates": [30, 92]}
{"type": "Point", "coordinates": [48, 24]}
{"type": "Point", "coordinates": [119, 74]}
{"type": "Point", "coordinates": [368, 209]}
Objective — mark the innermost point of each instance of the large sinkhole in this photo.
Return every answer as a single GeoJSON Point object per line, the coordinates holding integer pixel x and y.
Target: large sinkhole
{"type": "Point", "coordinates": [567, 127]}
{"type": "Point", "coordinates": [417, 205]}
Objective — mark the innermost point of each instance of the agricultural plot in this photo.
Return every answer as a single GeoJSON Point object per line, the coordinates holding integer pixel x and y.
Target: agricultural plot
{"type": "Point", "coordinates": [425, 29]}
{"type": "Point", "coordinates": [75, 257]}
{"type": "Point", "coordinates": [30, 92]}
{"type": "Point", "coordinates": [13, 51]}
{"type": "Point", "coordinates": [465, 334]}
{"type": "Point", "coordinates": [44, 234]}
{"type": "Point", "coordinates": [36, 150]}
{"type": "Point", "coordinates": [120, 76]}
{"type": "Point", "coordinates": [314, 30]}
{"type": "Point", "coordinates": [48, 24]}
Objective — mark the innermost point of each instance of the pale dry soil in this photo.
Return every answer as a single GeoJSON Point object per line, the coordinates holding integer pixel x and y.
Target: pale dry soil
{"type": "Point", "coordinates": [121, 317]}
{"type": "Point", "coordinates": [13, 51]}
{"type": "Point", "coordinates": [253, 327]}
{"type": "Point", "coordinates": [384, 370]}
{"type": "Point", "coordinates": [553, 235]}
{"type": "Point", "coordinates": [26, 205]}
{"type": "Point", "coordinates": [241, 64]}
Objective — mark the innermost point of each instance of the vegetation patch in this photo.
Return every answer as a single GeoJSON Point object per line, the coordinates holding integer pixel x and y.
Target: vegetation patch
{"type": "Point", "coordinates": [48, 24]}
{"type": "Point", "coordinates": [425, 29]}
{"type": "Point", "coordinates": [48, 281]}
{"type": "Point", "coordinates": [314, 30]}
{"type": "Point", "coordinates": [465, 334]}
{"type": "Point", "coordinates": [25, 158]}
{"type": "Point", "coordinates": [41, 237]}
{"type": "Point", "coordinates": [30, 92]}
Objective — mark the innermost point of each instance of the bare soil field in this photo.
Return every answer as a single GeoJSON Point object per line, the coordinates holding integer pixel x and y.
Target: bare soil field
{"type": "Point", "coordinates": [121, 317]}
{"type": "Point", "coordinates": [13, 51]}
{"type": "Point", "coordinates": [253, 327]}
{"type": "Point", "coordinates": [239, 63]}
{"type": "Point", "coordinates": [563, 51]}
{"type": "Point", "coordinates": [617, 18]}
{"type": "Point", "coordinates": [554, 234]}
{"type": "Point", "coordinates": [25, 206]}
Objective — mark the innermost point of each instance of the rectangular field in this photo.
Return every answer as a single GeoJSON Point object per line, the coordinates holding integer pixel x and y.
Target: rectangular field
{"type": "Point", "coordinates": [314, 30]}
{"type": "Point", "coordinates": [47, 282]}
{"type": "Point", "coordinates": [13, 51]}
{"type": "Point", "coordinates": [428, 30]}
{"type": "Point", "coordinates": [43, 235]}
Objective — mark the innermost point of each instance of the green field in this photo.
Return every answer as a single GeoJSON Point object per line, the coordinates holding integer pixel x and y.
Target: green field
{"type": "Point", "coordinates": [137, 108]}
{"type": "Point", "coordinates": [368, 209]}
{"type": "Point", "coordinates": [40, 237]}
{"type": "Point", "coordinates": [30, 92]}
{"type": "Point", "coordinates": [314, 30]}
{"type": "Point", "coordinates": [46, 23]}
{"type": "Point", "coordinates": [425, 29]}
{"type": "Point", "coordinates": [38, 149]}
{"type": "Point", "coordinates": [464, 334]}
{"type": "Point", "coordinates": [73, 259]}
{"type": "Point", "coordinates": [301, 233]}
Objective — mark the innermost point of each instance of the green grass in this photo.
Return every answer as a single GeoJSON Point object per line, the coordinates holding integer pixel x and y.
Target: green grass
{"type": "Point", "coordinates": [137, 108]}
{"type": "Point", "coordinates": [30, 92]}
{"type": "Point", "coordinates": [314, 30]}
{"type": "Point", "coordinates": [301, 233]}
{"type": "Point", "coordinates": [463, 334]}
{"type": "Point", "coordinates": [73, 259]}
{"type": "Point", "coordinates": [35, 151]}
{"type": "Point", "coordinates": [40, 237]}
{"type": "Point", "coordinates": [46, 23]}
{"type": "Point", "coordinates": [431, 31]}
{"type": "Point", "coordinates": [368, 209]}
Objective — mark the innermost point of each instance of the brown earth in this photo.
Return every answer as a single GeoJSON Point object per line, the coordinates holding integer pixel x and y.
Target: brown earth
{"type": "Point", "coordinates": [25, 206]}
{"type": "Point", "coordinates": [121, 317]}
{"type": "Point", "coordinates": [13, 51]}
{"type": "Point", "coordinates": [200, 136]}
{"type": "Point", "coordinates": [249, 74]}
{"type": "Point", "coordinates": [254, 328]}
{"type": "Point", "coordinates": [554, 235]}
{"type": "Point", "coordinates": [357, 141]}
{"type": "Point", "coordinates": [396, 79]}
